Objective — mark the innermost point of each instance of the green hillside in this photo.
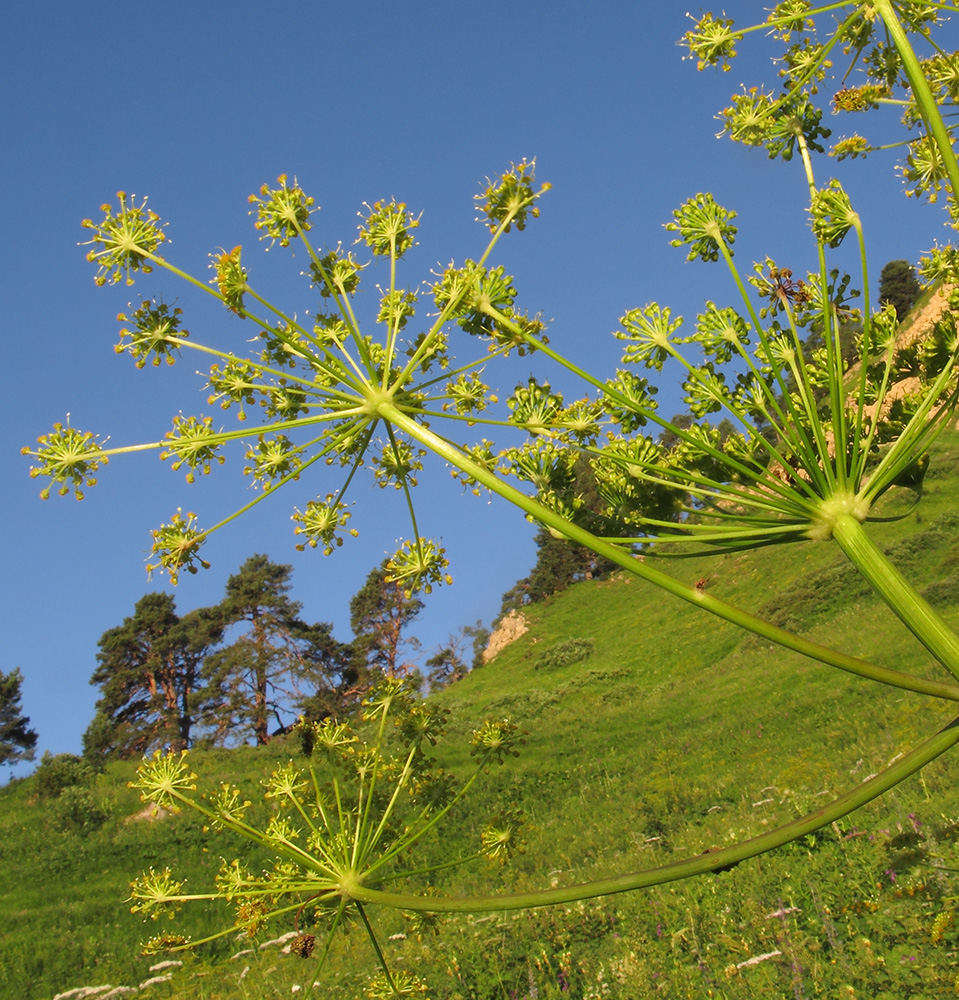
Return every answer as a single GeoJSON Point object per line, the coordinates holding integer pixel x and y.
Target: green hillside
{"type": "Point", "coordinates": [653, 732]}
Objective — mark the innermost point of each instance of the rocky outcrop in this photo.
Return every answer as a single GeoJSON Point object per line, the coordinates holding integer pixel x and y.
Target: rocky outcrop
{"type": "Point", "coordinates": [510, 628]}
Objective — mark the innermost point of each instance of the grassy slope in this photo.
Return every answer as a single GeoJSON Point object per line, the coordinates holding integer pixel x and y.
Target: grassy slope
{"type": "Point", "coordinates": [675, 735]}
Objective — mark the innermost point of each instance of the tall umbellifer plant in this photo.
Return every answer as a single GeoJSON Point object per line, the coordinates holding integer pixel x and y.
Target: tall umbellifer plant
{"type": "Point", "coordinates": [820, 440]}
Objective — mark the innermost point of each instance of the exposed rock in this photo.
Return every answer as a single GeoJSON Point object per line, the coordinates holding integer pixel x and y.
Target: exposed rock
{"type": "Point", "coordinates": [510, 628]}
{"type": "Point", "coordinates": [149, 813]}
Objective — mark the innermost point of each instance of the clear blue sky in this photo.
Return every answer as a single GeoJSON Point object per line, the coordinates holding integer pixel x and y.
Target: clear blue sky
{"type": "Point", "coordinates": [197, 105]}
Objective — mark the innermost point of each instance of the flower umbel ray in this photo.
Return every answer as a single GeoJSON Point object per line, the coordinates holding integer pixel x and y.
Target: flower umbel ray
{"type": "Point", "coordinates": [124, 242]}
{"type": "Point", "coordinates": [334, 375]}
{"type": "Point", "coordinates": [344, 820]}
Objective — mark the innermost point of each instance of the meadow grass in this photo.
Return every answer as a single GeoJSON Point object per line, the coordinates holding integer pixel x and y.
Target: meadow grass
{"type": "Point", "coordinates": [659, 733]}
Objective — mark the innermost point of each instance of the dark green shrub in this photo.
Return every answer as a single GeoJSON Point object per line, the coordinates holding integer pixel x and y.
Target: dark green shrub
{"type": "Point", "coordinates": [564, 654]}
{"type": "Point", "coordinates": [60, 771]}
{"type": "Point", "coordinates": [78, 810]}
{"type": "Point", "coordinates": [945, 593]}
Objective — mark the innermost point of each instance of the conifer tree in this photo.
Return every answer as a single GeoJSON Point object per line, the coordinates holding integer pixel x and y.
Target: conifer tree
{"type": "Point", "coordinates": [17, 742]}
{"type": "Point", "coordinates": [278, 664]}
{"type": "Point", "coordinates": [379, 613]}
{"type": "Point", "coordinates": [149, 673]}
{"type": "Point", "coordinates": [898, 285]}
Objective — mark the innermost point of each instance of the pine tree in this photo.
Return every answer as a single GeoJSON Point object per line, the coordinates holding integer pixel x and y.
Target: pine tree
{"type": "Point", "coordinates": [333, 670]}
{"type": "Point", "coordinates": [448, 664]}
{"type": "Point", "coordinates": [560, 562]}
{"type": "Point", "coordinates": [262, 675]}
{"type": "Point", "coordinates": [149, 673]}
{"type": "Point", "coordinates": [379, 613]}
{"type": "Point", "coordinates": [898, 285]}
{"type": "Point", "coordinates": [17, 742]}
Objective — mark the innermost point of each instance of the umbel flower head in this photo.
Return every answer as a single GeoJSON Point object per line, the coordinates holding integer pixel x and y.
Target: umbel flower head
{"type": "Point", "coordinates": [164, 779]}
{"type": "Point", "coordinates": [807, 440]}
{"type": "Point", "coordinates": [337, 827]}
{"type": "Point", "coordinates": [124, 242]}
{"type": "Point", "coordinates": [156, 333]}
{"type": "Point", "coordinates": [69, 458]}
{"type": "Point", "coordinates": [330, 394]}
{"type": "Point", "coordinates": [156, 894]}
{"type": "Point", "coordinates": [177, 546]}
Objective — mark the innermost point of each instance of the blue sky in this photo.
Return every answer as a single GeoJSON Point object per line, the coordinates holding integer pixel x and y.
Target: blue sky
{"type": "Point", "coordinates": [197, 105]}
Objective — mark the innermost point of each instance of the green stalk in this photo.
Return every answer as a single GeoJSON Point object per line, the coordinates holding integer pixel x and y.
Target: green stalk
{"type": "Point", "coordinates": [341, 819]}
{"type": "Point", "coordinates": [433, 868]}
{"type": "Point", "coordinates": [770, 483]}
{"type": "Point", "coordinates": [318, 798]}
{"type": "Point", "coordinates": [362, 813]}
{"type": "Point", "coordinates": [373, 839]}
{"type": "Point", "coordinates": [858, 451]}
{"type": "Point", "coordinates": [403, 844]}
{"type": "Point", "coordinates": [917, 436]}
{"type": "Point", "coordinates": [692, 595]}
{"type": "Point", "coordinates": [784, 424]}
{"type": "Point", "coordinates": [244, 312]}
{"type": "Point", "coordinates": [700, 864]}
{"type": "Point", "coordinates": [798, 372]}
{"type": "Point", "coordinates": [364, 807]}
{"type": "Point", "coordinates": [863, 446]}
{"type": "Point", "coordinates": [911, 609]}
{"type": "Point", "coordinates": [376, 947]}
{"type": "Point", "coordinates": [260, 497]}
{"type": "Point", "coordinates": [291, 851]}
{"type": "Point", "coordinates": [454, 302]}
{"type": "Point", "coordinates": [833, 361]}
{"type": "Point", "coordinates": [318, 968]}
{"type": "Point", "coordinates": [921, 90]}
{"type": "Point", "coordinates": [342, 301]}
{"type": "Point", "coordinates": [299, 808]}
{"type": "Point", "coordinates": [393, 328]}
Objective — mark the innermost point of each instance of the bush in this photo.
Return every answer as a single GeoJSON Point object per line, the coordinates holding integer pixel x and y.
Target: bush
{"type": "Point", "coordinates": [564, 654]}
{"type": "Point", "coordinates": [78, 810]}
{"type": "Point", "coordinates": [943, 594]}
{"type": "Point", "coordinates": [60, 771]}
{"type": "Point", "coordinates": [899, 286]}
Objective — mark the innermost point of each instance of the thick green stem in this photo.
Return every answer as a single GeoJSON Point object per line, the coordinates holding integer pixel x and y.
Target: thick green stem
{"type": "Point", "coordinates": [701, 864]}
{"type": "Point", "coordinates": [643, 569]}
{"type": "Point", "coordinates": [914, 612]}
{"type": "Point", "coordinates": [921, 90]}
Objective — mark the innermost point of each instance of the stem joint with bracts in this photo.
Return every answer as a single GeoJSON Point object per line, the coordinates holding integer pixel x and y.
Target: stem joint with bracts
{"type": "Point", "coordinates": [344, 824]}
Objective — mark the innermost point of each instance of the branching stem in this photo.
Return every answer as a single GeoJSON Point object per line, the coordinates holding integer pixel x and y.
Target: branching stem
{"type": "Point", "coordinates": [627, 561]}
{"type": "Point", "coordinates": [701, 864]}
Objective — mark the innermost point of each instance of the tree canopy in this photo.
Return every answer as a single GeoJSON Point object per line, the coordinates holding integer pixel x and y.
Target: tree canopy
{"type": "Point", "coordinates": [899, 286]}
{"type": "Point", "coordinates": [149, 673]}
{"type": "Point", "coordinates": [278, 664]}
{"type": "Point", "coordinates": [243, 669]}
{"type": "Point", "coordinates": [379, 614]}
{"type": "Point", "coordinates": [17, 740]}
